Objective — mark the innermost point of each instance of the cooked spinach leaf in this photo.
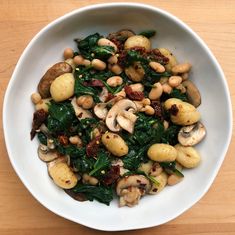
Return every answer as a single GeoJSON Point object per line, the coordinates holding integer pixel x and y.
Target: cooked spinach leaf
{"type": "Point", "coordinates": [62, 112]}
{"type": "Point", "coordinates": [148, 33]}
{"type": "Point", "coordinates": [170, 167]}
{"type": "Point", "coordinates": [42, 138]}
{"type": "Point", "coordinates": [135, 157]}
{"type": "Point", "coordinates": [83, 164]}
{"type": "Point", "coordinates": [99, 193]}
{"type": "Point", "coordinates": [103, 52]}
{"type": "Point", "coordinates": [170, 135]}
{"type": "Point", "coordinates": [134, 56]}
{"type": "Point", "coordinates": [85, 46]}
{"type": "Point", "coordinates": [178, 94]}
{"type": "Point", "coordinates": [101, 163]}
{"type": "Point", "coordinates": [81, 89]}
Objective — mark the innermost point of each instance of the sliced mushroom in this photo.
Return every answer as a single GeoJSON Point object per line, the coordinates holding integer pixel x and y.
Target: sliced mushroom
{"type": "Point", "coordinates": [101, 110]}
{"type": "Point", "coordinates": [191, 135]}
{"type": "Point", "coordinates": [131, 188]}
{"type": "Point", "coordinates": [62, 174]}
{"type": "Point", "coordinates": [192, 93]}
{"type": "Point", "coordinates": [118, 108]}
{"type": "Point", "coordinates": [80, 112]}
{"type": "Point", "coordinates": [126, 120]}
{"type": "Point", "coordinates": [45, 154]}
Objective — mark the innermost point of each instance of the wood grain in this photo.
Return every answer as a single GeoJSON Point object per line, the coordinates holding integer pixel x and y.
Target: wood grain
{"type": "Point", "coordinates": [20, 213]}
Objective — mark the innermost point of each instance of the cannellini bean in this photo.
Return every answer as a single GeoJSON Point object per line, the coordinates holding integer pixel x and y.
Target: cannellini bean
{"type": "Point", "coordinates": [174, 81]}
{"type": "Point", "coordinates": [85, 101]}
{"type": "Point", "coordinates": [149, 110]}
{"type": "Point", "coordinates": [87, 179]}
{"type": "Point", "coordinates": [162, 153]}
{"type": "Point", "coordinates": [162, 180]}
{"type": "Point", "coordinates": [115, 81]}
{"type": "Point", "coordinates": [98, 64]}
{"type": "Point", "coordinates": [166, 88]}
{"type": "Point", "coordinates": [137, 41]}
{"type": "Point", "coordinates": [78, 60]}
{"type": "Point", "coordinates": [68, 53]}
{"type": "Point", "coordinates": [156, 91]}
{"type": "Point", "coordinates": [114, 144]}
{"type": "Point", "coordinates": [62, 87]}
{"type": "Point", "coordinates": [188, 157]}
{"type": "Point", "coordinates": [113, 59]}
{"type": "Point", "coordinates": [36, 98]}
{"type": "Point", "coordinates": [106, 42]}
{"type": "Point", "coordinates": [165, 124]}
{"type": "Point", "coordinates": [157, 67]}
{"type": "Point", "coordinates": [137, 87]}
{"type": "Point", "coordinates": [185, 113]}
{"type": "Point", "coordinates": [86, 63]}
{"type": "Point", "coordinates": [75, 140]}
{"type": "Point", "coordinates": [116, 69]}
{"type": "Point", "coordinates": [43, 104]}
{"type": "Point", "coordinates": [181, 68]}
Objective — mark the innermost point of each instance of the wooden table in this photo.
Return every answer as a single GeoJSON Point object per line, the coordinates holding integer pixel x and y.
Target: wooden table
{"type": "Point", "coordinates": [20, 213]}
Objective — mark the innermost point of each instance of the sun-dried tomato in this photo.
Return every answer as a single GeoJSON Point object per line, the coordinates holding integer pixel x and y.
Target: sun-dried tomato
{"type": "Point", "coordinates": [133, 95]}
{"type": "Point", "coordinates": [94, 83]}
{"type": "Point", "coordinates": [112, 175]}
{"type": "Point", "coordinates": [158, 109]}
{"type": "Point", "coordinates": [63, 139]}
{"type": "Point", "coordinates": [93, 146]}
{"type": "Point", "coordinates": [174, 110]}
{"type": "Point", "coordinates": [109, 97]}
{"type": "Point", "coordinates": [156, 55]}
{"type": "Point", "coordinates": [118, 43]}
{"type": "Point", "coordinates": [38, 118]}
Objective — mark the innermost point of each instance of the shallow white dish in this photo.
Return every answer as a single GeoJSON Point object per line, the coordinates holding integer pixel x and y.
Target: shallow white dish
{"type": "Point", "coordinates": [46, 49]}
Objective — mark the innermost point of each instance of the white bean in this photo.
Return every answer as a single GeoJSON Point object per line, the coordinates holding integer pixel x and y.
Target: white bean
{"type": "Point", "coordinates": [181, 68]}
{"type": "Point", "coordinates": [156, 91]}
{"type": "Point", "coordinates": [174, 81]}
{"type": "Point", "coordinates": [157, 67]}
{"type": "Point", "coordinates": [98, 64]}
{"type": "Point", "coordinates": [106, 42]}
{"type": "Point", "coordinates": [115, 81]}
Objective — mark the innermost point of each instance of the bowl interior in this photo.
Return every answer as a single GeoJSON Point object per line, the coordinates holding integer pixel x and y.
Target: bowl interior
{"type": "Point", "coordinates": [47, 48]}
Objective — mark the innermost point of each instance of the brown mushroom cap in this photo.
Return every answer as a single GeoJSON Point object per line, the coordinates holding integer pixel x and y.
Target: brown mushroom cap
{"type": "Point", "coordinates": [192, 93]}
{"type": "Point", "coordinates": [45, 154]}
{"type": "Point", "coordinates": [191, 135]}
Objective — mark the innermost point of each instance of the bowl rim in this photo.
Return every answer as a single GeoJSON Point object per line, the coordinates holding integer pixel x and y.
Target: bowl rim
{"type": "Point", "coordinates": [95, 7]}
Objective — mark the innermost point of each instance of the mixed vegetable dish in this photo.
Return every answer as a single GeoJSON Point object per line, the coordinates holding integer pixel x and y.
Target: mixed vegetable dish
{"type": "Point", "coordinates": [117, 117]}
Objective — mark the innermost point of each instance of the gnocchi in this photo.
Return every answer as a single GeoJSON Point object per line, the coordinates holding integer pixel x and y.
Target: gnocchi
{"type": "Point", "coordinates": [117, 114]}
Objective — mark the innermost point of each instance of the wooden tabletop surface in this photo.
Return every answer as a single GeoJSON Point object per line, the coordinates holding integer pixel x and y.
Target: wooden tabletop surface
{"type": "Point", "coordinates": [20, 213]}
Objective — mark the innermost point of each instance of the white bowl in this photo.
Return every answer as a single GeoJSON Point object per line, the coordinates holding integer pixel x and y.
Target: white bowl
{"type": "Point", "coordinates": [46, 49]}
